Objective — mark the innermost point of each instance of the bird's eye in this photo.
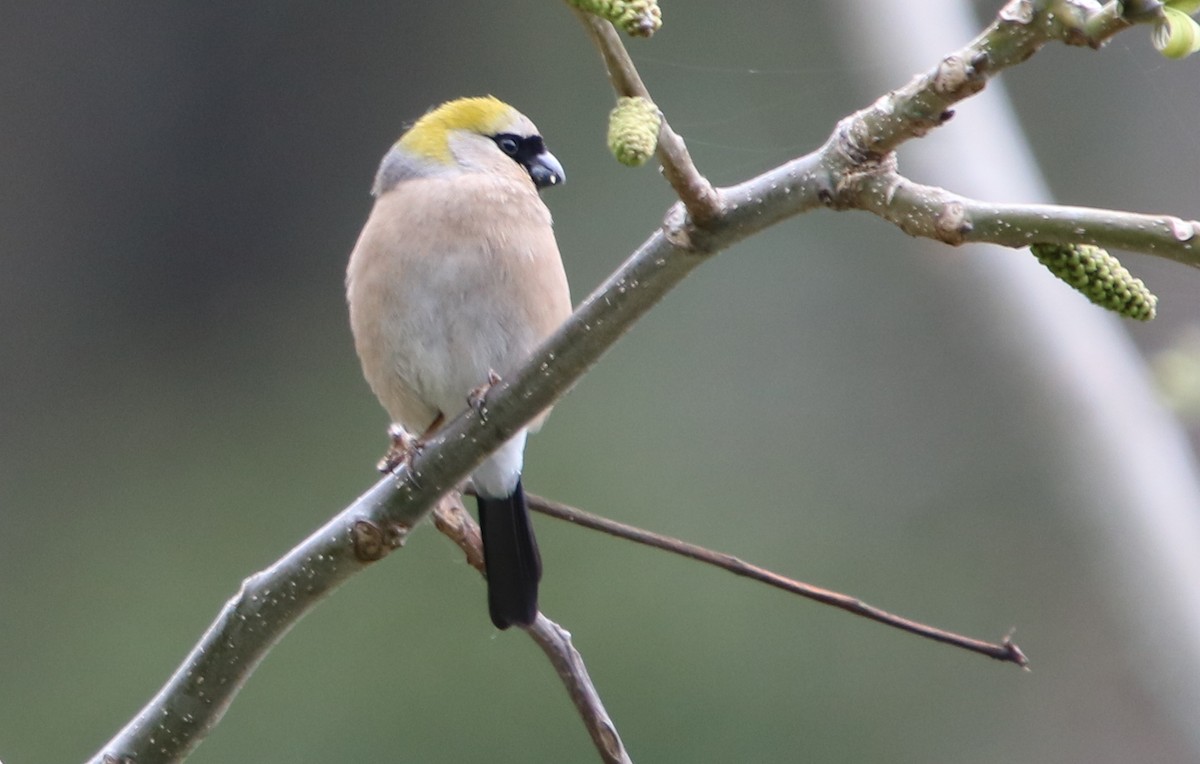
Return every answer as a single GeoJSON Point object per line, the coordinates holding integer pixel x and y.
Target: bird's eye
{"type": "Point", "coordinates": [509, 144]}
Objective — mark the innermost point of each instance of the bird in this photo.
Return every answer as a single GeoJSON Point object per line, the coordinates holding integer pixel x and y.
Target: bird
{"type": "Point", "coordinates": [454, 280]}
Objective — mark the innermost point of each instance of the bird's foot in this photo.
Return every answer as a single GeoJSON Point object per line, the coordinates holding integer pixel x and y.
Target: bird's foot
{"type": "Point", "coordinates": [477, 398]}
{"type": "Point", "coordinates": [402, 450]}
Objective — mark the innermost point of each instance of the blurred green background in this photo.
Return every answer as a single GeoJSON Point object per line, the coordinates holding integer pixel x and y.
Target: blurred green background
{"type": "Point", "coordinates": [181, 185]}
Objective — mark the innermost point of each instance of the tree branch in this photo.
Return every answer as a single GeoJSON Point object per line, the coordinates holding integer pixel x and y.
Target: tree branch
{"type": "Point", "coordinates": [1006, 650]}
{"type": "Point", "coordinates": [1020, 29]}
{"type": "Point", "coordinates": [268, 604]}
{"type": "Point", "coordinates": [934, 213]}
{"type": "Point", "coordinates": [555, 641]}
{"type": "Point", "coordinates": [705, 222]}
{"type": "Point", "coordinates": [856, 167]}
{"type": "Point", "coordinates": [453, 520]}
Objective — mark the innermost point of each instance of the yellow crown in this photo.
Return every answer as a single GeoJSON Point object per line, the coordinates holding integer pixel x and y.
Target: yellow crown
{"type": "Point", "coordinates": [428, 137]}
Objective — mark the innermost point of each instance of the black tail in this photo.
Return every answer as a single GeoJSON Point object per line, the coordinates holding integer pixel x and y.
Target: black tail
{"type": "Point", "coordinates": [511, 557]}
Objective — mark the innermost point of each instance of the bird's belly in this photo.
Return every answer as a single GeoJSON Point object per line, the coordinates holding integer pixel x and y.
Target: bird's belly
{"type": "Point", "coordinates": [446, 347]}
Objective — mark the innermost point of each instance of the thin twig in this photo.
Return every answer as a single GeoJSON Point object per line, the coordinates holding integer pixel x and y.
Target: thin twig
{"type": "Point", "coordinates": [555, 641]}
{"type": "Point", "coordinates": [1006, 650]}
{"type": "Point", "coordinates": [699, 198]}
{"type": "Point", "coordinates": [453, 520]}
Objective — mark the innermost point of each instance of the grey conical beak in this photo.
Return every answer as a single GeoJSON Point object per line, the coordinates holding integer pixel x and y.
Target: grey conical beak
{"type": "Point", "coordinates": [546, 171]}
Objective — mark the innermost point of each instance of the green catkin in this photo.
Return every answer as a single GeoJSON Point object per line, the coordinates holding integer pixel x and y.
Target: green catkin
{"type": "Point", "coordinates": [633, 130]}
{"type": "Point", "coordinates": [1098, 276]}
{"type": "Point", "coordinates": [638, 18]}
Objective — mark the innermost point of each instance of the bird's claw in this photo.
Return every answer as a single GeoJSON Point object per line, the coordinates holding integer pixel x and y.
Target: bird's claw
{"type": "Point", "coordinates": [401, 451]}
{"type": "Point", "coordinates": [477, 398]}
